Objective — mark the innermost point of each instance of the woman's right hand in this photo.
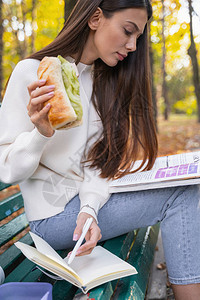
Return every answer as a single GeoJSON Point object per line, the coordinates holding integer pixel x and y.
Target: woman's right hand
{"type": "Point", "coordinates": [38, 113]}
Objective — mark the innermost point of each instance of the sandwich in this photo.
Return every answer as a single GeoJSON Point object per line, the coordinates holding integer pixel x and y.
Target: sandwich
{"type": "Point", "coordinates": [66, 109]}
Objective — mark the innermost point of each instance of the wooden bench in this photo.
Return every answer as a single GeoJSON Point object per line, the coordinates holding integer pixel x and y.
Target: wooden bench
{"type": "Point", "coordinates": [136, 247]}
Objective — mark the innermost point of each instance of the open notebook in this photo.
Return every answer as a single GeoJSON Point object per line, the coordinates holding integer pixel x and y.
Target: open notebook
{"type": "Point", "coordinates": [85, 272]}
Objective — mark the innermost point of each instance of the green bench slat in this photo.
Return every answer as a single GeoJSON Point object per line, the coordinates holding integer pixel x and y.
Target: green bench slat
{"type": "Point", "coordinates": [121, 245]}
{"type": "Point", "coordinates": [63, 290]}
{"type": "Point", "coordinates": [11, 229]}
{"type": "Point", "coordinates": [103, 292]}
{"type": "Point", "coordinates": [141, 256]}
{"type": "Point", "coordinates": [13, 253]}
{"type": "Point", "coordinates": [25, 272]}
{"type": "Point", "coordinates": [10, 205]}
{"type": "Point", "coordinates": [4, 185]}
{"type": "Point", "coordinates": [20, 272]}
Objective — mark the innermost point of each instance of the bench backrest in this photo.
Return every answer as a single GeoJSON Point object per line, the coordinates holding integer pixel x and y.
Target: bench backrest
{"type": "Point", "coordinates": [13, 226]}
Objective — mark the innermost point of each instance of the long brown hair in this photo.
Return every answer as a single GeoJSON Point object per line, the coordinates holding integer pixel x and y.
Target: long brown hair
{"type": "Point", "coordinates": [121, 94]}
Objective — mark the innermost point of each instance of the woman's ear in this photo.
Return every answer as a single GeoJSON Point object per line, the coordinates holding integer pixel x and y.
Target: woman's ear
{"type": "Point", "coordinates": [95, 19]}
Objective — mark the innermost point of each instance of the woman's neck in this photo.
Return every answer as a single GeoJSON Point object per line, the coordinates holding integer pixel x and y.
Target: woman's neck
{"type": "Point", "coordinates": [89, 54]}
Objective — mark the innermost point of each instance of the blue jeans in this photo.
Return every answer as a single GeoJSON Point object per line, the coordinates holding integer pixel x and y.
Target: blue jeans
{"type": "Point", "coordinates": [177, 210]}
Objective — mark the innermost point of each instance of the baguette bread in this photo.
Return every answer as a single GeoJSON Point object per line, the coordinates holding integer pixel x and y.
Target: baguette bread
{"type": "Point", "coordinates": [61, 114]}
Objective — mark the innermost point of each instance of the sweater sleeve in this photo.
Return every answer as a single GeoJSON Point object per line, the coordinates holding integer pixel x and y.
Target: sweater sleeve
{"type": "Point", "coordinates": [21, 145]}
{"type": "Point", "coordinates": [94, 190]}
{"type": "Point", "coordinates": [93, 193]}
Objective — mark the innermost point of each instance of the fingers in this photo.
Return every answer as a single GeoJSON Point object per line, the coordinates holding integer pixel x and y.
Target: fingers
{"type": "Point", "coordinates": [80, 223]}
{"type": "Point", "coordinates": [78, 231]}
{"type": "Point", "coordinates": [34, 85]}
{"type": "Point", "coordinates": [42, 114]}
{"type": "Point", "coordinates": [36, 104]}
{"type": "Point", "coordinates": [92, 237]}
{"type": "Point", "coordinates": [39, 95]}
{"type": "Point", "coordinates": [87, 247]}
{"type": "Point", "coordinates": [37, 111]}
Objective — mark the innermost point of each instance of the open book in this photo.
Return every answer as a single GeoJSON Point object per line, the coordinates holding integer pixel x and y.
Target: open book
{"type": "Point", "coordinates": [85, 272]}
{"type": "Point", "coordinates": [173, 170]}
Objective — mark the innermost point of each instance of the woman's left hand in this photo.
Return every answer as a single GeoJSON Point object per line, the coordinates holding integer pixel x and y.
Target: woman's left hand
{"type": "Point", "coordinates": [92, 237]}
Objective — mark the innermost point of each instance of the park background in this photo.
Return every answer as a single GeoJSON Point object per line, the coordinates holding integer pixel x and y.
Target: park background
{"type": "Point", "coordinates": [28, 25]}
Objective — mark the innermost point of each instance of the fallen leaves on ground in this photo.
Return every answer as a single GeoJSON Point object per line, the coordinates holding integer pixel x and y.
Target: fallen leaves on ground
{"type": "Point", "coordinates": [179, 134]}
{"type": "Point", "coordinates": [161, 266]}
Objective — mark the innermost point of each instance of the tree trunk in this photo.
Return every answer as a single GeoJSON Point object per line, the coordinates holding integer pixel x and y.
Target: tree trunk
{"type": "Point", "coordinates": [33, 16]}
{"type": "Point", "coordinates": [69, 5]}
{"type": "Point", "coordinates": [164, 84]}
{"type": "Point", "coordinates": [12, 11]}
{"type": "Point", "coordinates": [192, 51]}
{"type": "Point", "coordinates": [152, 83]}
{"type": "Point", "coordinates": [24, 44]}
{"type": "Point", "coordinates": [1, 50]}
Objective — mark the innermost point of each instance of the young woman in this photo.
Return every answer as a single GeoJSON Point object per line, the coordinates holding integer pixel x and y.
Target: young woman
{"type": "Point", "coordinates": [64, 175]}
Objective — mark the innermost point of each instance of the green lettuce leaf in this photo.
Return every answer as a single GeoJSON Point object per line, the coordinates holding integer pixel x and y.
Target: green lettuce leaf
{"type": "Point", "coordinates": [71, 84]}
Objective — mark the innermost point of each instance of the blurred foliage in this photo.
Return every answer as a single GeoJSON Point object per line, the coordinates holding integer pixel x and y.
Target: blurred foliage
{"type": "Point", "coordinates": [49, 20]}
{"type": "Point", "coordinates": [178, 64]}
{"type": "Point", "coordinates": [188, 106]}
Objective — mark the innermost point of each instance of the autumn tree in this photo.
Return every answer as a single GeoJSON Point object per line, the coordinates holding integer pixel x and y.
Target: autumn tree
{"type": "Point", "coordinates": [154, 99]}
{"type": "Point", "coordinates": [33, 22]}
{"type": "Point", "coordinates": [15, 15]}
{"type": "Point", "coordinates": [164, 72]}
{"type": "Point", "coordinates": [192, 51]}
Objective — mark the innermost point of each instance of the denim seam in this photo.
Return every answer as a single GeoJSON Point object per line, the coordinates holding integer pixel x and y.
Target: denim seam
{"type": "Point", "coordinates": [168, 205]}
{"type": "Point", "coordinates": [189, 250]}
{"type": "Point", "coordinates": [184, 238]}
{"type": "Point", "coordinates": [188, 280]}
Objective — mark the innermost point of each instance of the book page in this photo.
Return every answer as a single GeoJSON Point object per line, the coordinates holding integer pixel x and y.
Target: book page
{"type": "Point", "coordinates": [161, 162]}
{"type": "Point", "coordinates": [99, 263]}
{"type": "Point", "coordinates": [31, 252]}
{"type": "Point", "coordinates": [154, 185]}
{"type": "Point", "coordinates": [44, 248]}
{"type": "Point", "coordinates": [183, 158]}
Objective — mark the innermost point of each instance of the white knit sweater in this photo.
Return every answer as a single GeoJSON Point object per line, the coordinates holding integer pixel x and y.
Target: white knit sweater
{"type": "Point", "coordinates": [48, 170]}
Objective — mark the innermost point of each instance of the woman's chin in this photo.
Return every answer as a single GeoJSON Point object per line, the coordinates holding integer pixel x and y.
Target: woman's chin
{"type": "Point", "coordinates": [111, 63]}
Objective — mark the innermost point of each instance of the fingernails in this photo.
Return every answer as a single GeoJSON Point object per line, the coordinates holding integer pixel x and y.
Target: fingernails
{"type": "Point", "coordinates": [51, 87]}
{"type": "Point", "coordinates": [78, 252]}
{"type": "Point", "coordinates": [48, 105]}
{"type": "Point", "coordinates": [75, 237]}
{"type": "Point", "coordinates": [50, 94]}
{"type": "Point", "coordinates": [68, 255]}
{"type": "Point", "coordinates": [42, 81]}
